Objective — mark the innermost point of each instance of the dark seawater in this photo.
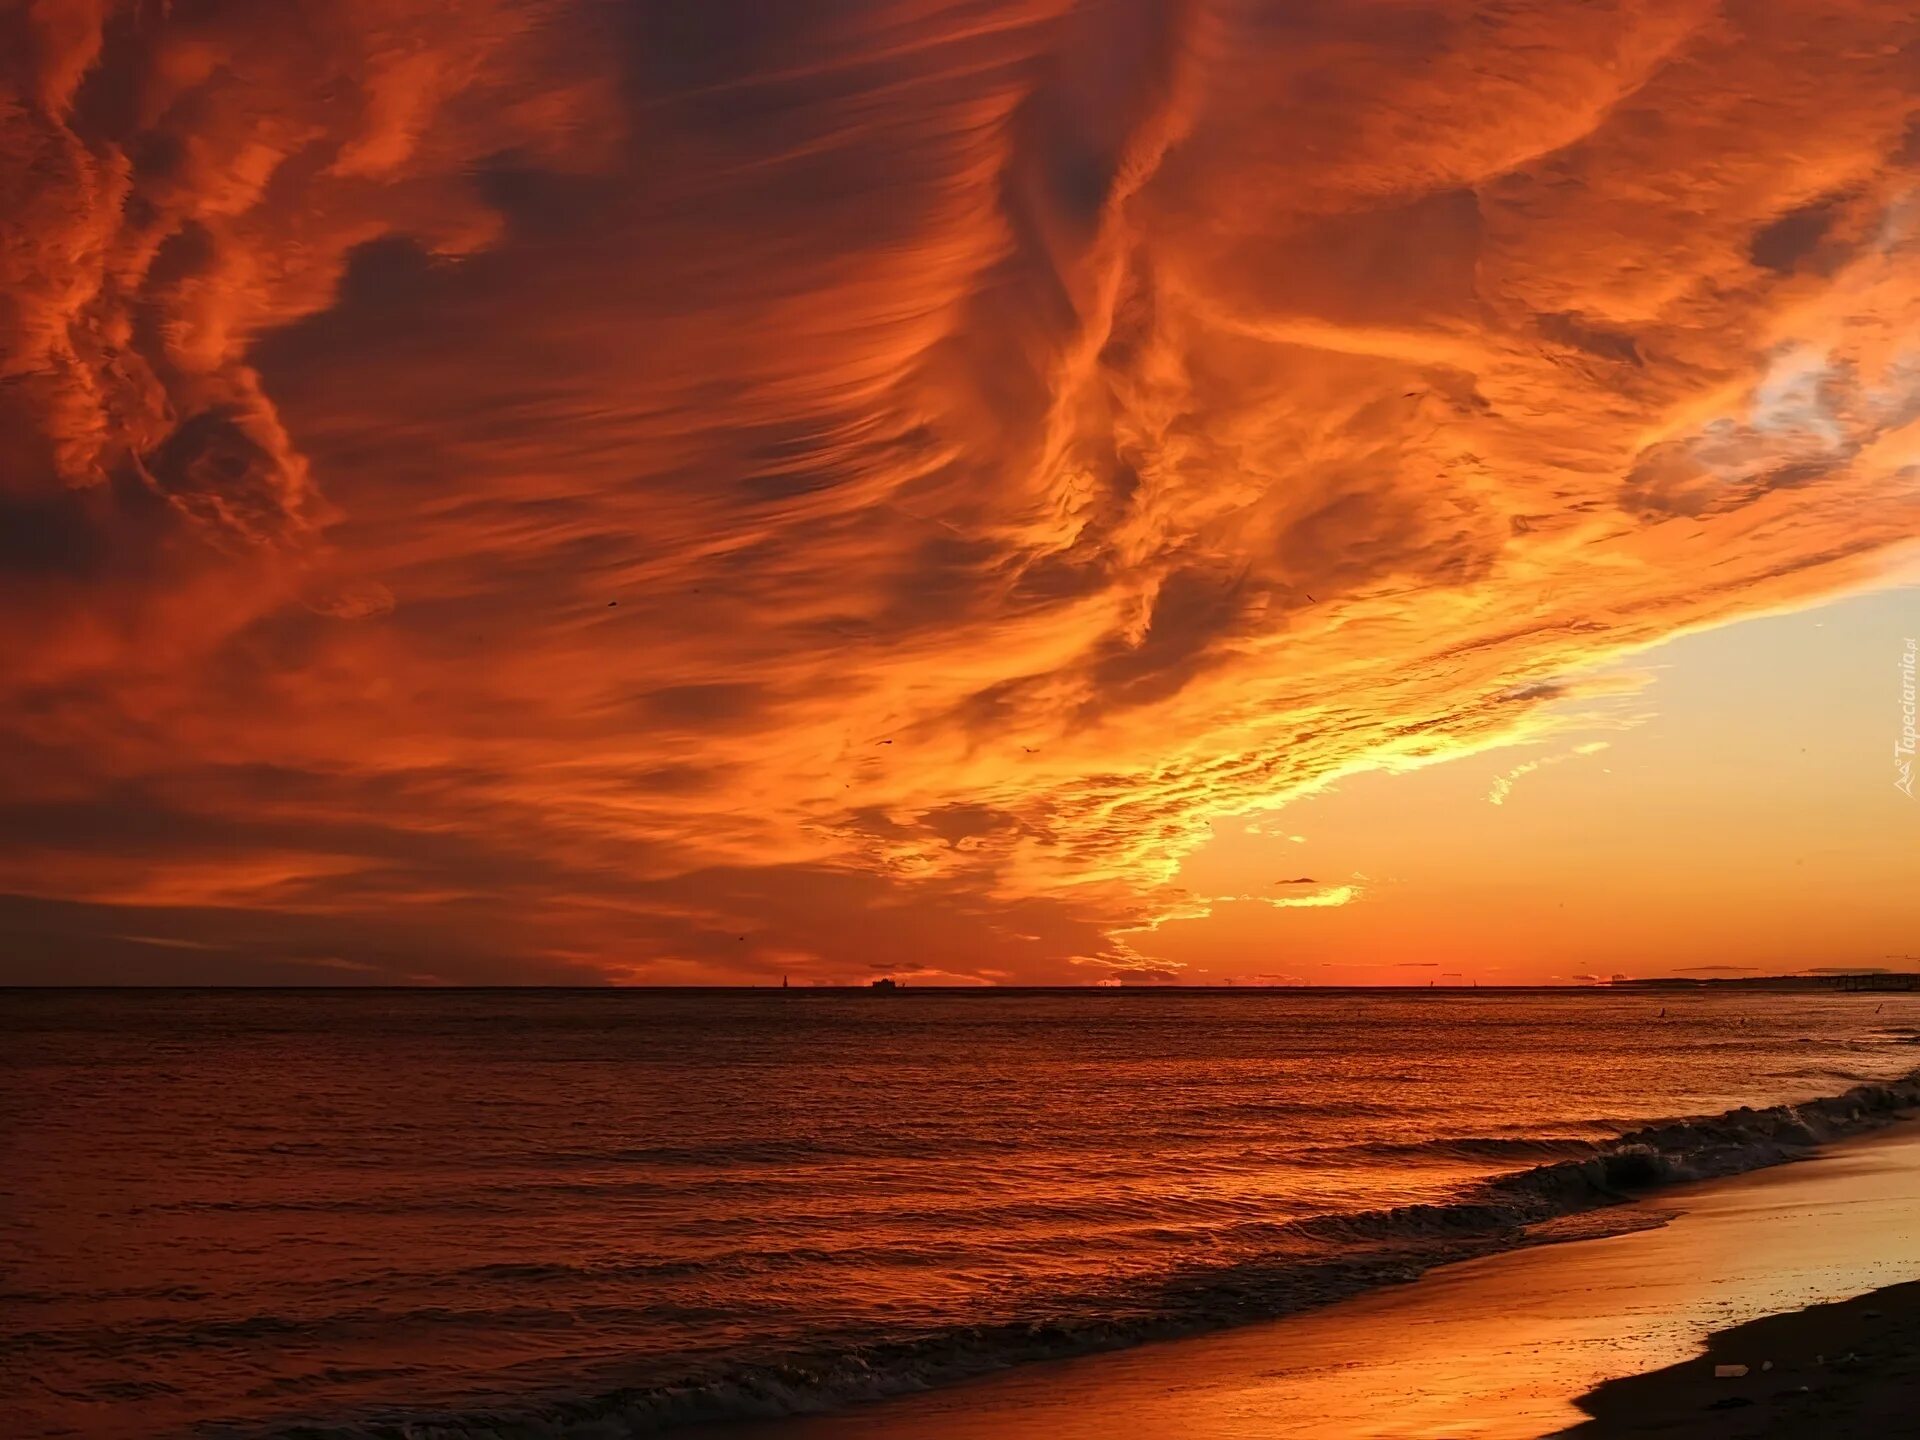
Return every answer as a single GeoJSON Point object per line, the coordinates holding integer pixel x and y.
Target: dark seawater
{"type": "Point", "coordinates": [428, 1214]}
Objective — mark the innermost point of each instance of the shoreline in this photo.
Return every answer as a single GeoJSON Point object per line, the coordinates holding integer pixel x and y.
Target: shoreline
{"type": "Point", "coordinates": [1579, 1190]}
{"type": "Point", "coordinates": [1503, 1347]}
{"type": "Point", "coordinates": [1229, 1190]}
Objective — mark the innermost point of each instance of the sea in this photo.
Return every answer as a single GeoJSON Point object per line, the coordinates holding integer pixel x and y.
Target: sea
{"type": "Point", "coordinates": [434, 1215]}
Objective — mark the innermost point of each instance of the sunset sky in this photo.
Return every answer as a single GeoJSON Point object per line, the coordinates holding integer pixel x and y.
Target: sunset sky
{"type": "Point", "coordinates": [1331, 491]}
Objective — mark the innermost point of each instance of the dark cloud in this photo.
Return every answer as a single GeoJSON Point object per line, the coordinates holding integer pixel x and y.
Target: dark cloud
{"type": "Point", "coordinates": [1593, 339]}
{"type": "Point", "coordinates": [1785, 243]}
{"type": "Point", "coordinates": [1192, 609]}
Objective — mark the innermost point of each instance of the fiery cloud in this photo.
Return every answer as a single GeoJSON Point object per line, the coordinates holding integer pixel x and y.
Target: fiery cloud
{"type": "Point", "coordinates": [676, 492]}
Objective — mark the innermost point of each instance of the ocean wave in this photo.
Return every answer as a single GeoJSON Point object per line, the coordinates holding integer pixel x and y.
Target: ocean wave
{"type": "Point", "coordinates": [1473, 1149]}
{"type": "Point", "coordinates": [1311, 1261]}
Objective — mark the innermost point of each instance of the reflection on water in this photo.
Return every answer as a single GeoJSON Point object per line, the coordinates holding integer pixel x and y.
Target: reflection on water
{"type": "Point", "coordinates": [254, 1208]}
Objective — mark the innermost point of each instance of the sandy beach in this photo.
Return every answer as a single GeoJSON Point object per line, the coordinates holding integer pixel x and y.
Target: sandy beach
{"type": "Point", "coordinates": [1847, 1369]}
{"type": "Point", "coordinates": [1597, 1337]}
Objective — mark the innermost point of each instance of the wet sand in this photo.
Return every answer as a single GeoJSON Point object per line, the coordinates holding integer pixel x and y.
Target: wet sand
{"type": "Point", "coordinates": [1501, 1348]}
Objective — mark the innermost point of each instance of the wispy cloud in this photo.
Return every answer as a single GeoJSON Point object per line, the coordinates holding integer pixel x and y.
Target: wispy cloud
{"type": "Point", "coordinates": [1334, 895]}
{"type": "Point", "coordinates": [1503, 784]}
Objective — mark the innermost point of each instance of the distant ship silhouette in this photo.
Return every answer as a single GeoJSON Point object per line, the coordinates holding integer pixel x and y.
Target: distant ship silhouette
{"type": "Point", "coordinates": [885, 982]}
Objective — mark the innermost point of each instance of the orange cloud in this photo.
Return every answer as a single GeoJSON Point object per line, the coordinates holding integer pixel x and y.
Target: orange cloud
{"type": "Point", "coordinates": [705, 493]}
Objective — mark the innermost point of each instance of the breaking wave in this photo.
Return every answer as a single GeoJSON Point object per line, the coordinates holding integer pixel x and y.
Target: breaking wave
{"type": "Point", "coordinates": [1305, 1263]}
